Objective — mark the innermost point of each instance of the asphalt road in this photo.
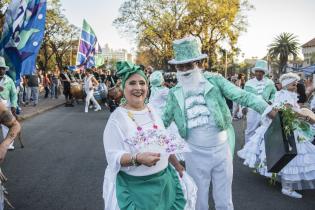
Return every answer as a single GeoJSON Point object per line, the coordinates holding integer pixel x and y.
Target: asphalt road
{"type": "Point", "coordinates": [63, 163]}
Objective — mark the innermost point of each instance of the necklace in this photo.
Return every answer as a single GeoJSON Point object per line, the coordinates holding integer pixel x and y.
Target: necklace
{"type": "Point", "coordinates": [139, 128]}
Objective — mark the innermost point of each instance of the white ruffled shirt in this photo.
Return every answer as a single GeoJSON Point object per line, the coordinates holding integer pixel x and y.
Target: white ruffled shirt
{"type": "Point", "coordinates": [259, 86]}
{"type": "Point", "coordinates": [202, 129]}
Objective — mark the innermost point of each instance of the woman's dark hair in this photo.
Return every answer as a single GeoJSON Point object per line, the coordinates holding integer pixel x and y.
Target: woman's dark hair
{"type": "Point", "coordinates": [88, 70]}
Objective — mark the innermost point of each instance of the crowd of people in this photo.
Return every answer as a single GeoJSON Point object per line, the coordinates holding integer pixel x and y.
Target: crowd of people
{"type": "Point", "coordinates": [170, 135]}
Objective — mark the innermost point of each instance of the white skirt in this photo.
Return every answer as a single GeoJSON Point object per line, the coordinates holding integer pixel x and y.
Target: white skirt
{"type": "Point", "coordinates": [298, 174]}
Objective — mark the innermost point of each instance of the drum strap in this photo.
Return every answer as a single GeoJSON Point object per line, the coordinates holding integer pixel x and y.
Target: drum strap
{"type": "Point", "coordinates": [112, 80]}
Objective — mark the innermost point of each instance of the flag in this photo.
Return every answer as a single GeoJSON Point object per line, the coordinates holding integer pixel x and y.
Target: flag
{"type": "Point", "coordinates": [99, 60]}
{"type": "Point", "coordinates": [72, 68]}
{"type": "Point", "coordinates": [88, 47]}
{"type": "Point", "coordinates": [22, 35]}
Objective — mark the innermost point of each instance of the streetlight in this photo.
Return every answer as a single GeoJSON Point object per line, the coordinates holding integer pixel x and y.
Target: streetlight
{"type": "Point", "coordinates": [225, 73]}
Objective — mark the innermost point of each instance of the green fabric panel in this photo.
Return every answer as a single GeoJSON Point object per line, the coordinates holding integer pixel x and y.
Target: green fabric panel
{"type": "Point", "coordinates": [231, 136]}
{"type": "Point", "coordinates": [160, 191]}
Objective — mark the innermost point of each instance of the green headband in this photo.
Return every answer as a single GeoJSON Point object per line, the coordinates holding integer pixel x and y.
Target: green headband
{"type": "Point", "coordinates": [126, 69]}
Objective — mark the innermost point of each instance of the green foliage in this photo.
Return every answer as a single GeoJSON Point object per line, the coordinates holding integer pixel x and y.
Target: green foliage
{"type": "Point", "coordinates": [289, 118]}
{"type": "Point", "coordinates": [60, 39]}
{"type": "Point", "coordinates": [156, 23]}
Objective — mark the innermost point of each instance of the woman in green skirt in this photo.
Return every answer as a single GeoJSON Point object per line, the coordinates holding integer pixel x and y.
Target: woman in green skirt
{"type": "Point", "coordinates": [139, 151]}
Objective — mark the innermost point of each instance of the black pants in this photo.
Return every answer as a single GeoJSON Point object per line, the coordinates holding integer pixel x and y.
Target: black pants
{"type": "Point", "coordinates": [46, 92]}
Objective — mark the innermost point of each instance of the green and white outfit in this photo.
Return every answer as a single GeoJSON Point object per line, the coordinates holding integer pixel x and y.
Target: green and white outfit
{"type": "Point", "coordinates": [141, 187]}
{"type": "Point", "coordinates": [9, 97]}
{"type": "Point", "coordinates": [204, 121]}
{"type": "Point", "coordinates": [266, 90]}
{"type": "Point", "coordinates": [198, 107]}
{"type": "Point", "coordinates": [299, 173]}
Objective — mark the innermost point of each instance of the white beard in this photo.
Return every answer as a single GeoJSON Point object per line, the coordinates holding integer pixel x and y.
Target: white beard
{"type": "Point", "coordinates": [190, 79]}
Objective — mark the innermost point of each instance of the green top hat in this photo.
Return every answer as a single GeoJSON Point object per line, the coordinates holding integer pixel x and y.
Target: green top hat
{"type": "Point", "coordinates": [187, 50]}
{"type": "Point", "coordinates": [2, 63]}
{"type": "Point", "coordinates": [261, 65]}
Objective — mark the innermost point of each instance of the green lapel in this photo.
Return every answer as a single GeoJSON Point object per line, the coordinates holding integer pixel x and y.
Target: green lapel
{"type": "Point", "coordinates": [208, 87]}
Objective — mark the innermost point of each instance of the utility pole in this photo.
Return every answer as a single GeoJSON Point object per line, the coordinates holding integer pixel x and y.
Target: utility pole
{"type": "Point", "coordinates": [225, 74]}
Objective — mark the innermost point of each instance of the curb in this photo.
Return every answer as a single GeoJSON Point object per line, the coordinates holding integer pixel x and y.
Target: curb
{"type": "Point", "coordinates": [28, 116]}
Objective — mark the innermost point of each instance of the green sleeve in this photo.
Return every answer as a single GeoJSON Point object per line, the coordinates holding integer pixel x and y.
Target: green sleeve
{"type": "Point", "coordinates": [240, 96]}
{"type": "Point", "coordinates": [168, 112]}
{"type": "Point", "coordinates": [273, 93]}
{"type": "Point", "coordinates": [249, 89]}
{"type": "Point", "coordinates": [13, 95]}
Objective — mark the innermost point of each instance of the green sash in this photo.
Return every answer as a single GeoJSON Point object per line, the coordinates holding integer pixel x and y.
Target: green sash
{"type": "Point", "coordinates": [160, 191]}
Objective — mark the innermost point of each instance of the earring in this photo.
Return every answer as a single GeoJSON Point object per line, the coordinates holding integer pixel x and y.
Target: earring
{"type": "Point", "coordinates": [146, 100]}
{"type": "Point", "coordinates": [123, 101]}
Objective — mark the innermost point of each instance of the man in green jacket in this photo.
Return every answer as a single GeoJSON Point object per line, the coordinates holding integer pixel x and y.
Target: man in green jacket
{"type": "Point", "coordinates": [198, 107]}
{"type": "Point", "coordinates": [8, 94]}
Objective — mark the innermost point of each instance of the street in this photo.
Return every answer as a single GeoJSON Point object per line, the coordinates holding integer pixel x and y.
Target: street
{"type": "Point", "coordinates": [63, 162]}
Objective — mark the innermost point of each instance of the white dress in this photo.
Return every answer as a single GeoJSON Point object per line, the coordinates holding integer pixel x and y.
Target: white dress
{"type": "Point", "coordinates": [299, 173]}
{"type": "Point", "coordinates": [119, 135]}
{"type": "Point", "coordinates": [158, 101]}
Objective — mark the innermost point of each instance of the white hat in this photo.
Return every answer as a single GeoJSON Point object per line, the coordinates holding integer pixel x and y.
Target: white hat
{"type": "Point", "coordinates": [261, 65]}
{"type": "Point", "coordinates": [2, 63]}
{"type": "Point", "coordinates": [187, 50]}
{"type": "Point", "coordinates": [288, 78]}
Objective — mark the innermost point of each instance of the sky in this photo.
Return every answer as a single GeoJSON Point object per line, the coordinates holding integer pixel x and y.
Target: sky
{"type": "Point", "coordinates": [266, 21]}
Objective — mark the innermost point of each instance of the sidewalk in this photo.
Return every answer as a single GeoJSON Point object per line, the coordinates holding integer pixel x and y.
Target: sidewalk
{"type": "Point", "coordinates": [44, 104]}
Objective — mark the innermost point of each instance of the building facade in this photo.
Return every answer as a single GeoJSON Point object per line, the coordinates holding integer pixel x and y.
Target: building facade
{"type": "Point", "coordinates": [308, 50]}
{"type": "Point", "coordinates": [118, 55]}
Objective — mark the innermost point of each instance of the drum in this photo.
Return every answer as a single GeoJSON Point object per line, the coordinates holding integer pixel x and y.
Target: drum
{"type": "Point", "coordinates": [97, 95]}
{"type": "Point", "coordinates": [103, 90]}
{"type": "Point", "coordinates": [76, 90]}
{"type": "Point", "coordinates": [115, 94]}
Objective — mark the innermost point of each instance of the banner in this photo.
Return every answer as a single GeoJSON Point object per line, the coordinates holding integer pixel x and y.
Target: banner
{"type": "Point", "coordinates": [88, 47]}
{"type": "Point", "coordinates": [22, 35]}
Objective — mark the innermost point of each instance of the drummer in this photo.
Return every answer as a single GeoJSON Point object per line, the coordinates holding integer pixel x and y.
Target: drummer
{"type": "Point", "coordinates": [65, 78]}
{"type": "Point", "coordinates": [89, 84]}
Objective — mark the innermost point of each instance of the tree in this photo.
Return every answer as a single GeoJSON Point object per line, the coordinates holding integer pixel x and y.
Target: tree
{"type": "Point", "coordinates": [3, 7]}
{"type": "Point", "coordinates": [156, 23]}
{"type": "Point", "coordinates": [283, 46]}
{"type": "Point", "coordinates": [59, 39]}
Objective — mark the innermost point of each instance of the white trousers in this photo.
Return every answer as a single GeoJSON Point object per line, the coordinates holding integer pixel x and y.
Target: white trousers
{"type": "Point", "coordinates": [211, 165]}
{"type": "Point", "coordinates": [90, 96]}
{"type": "Point", "coordinates": [253, 122]}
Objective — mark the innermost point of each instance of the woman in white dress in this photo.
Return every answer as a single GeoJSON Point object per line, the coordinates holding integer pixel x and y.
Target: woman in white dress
{"type": "Point", "coordinates": [299, 173]}
{"type": "Point", "coordinates": [138, 151]}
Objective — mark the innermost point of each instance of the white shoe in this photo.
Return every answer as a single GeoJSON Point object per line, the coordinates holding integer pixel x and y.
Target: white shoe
{"type": "Point", "coordinates": [291, 193]}
{"type": "Point", "coordinates": [11, 147]}
{"type": "Point", "coordinates": [98, 109]}
{"type": "Point", "coordinates": [86, 110]}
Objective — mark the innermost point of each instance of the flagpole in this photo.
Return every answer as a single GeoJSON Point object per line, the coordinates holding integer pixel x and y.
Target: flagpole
{"type": "Point", "coordinates": [71, 51]}
{"type": "Point", "coordinates": [79, 44]}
